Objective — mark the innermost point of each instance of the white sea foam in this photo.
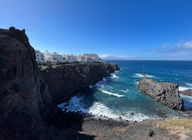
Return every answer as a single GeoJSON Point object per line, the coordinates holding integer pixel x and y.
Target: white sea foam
{"type": "Point", "coordinates": [187, 101]}
{"type": "Point", "coordinates": [188, 98]}
{"type": "Point", "coordinates": [124, 91]}
{"type": "Point", "coordinates": [101, 84]}
{"type": "Point", "coordinates": [114, 76]}
{"type": "Point", "coordinates": [189, 84]}
{"type": "Point", "coordinates": [111, 93]}
{"type": "Point", "coordinates": [143, 75]}
{"type": "Point", "coordinates": [100, 110]}
{"type": "Point", "coordinates": [74, 105]}
{"type": "Point", "coordinates": [181, 88]}
{"type": "Point", "coordinates": [137, 83]}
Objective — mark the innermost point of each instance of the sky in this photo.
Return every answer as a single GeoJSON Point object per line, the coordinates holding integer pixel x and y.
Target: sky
{"type": "Point", "coordinates": [114, 29]}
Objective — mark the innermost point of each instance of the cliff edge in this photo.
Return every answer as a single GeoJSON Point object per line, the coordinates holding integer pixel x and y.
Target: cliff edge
{"type": "Point", "coordinates": [65, 80]}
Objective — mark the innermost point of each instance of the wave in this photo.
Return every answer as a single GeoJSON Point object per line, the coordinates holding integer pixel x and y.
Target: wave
{"type": "Point", "coordinates": [139, 75]}
{"type": "Point", "coordinates": [124, 91]}
{"type": "Point", "coordinates": [188, 84]}
{"type": "Point", "coordinates": [73, 105]}
{"type": "Point", "coordinates": [114, 76]}
{"type": "Point", "coordinates": [111, 93]}
{"type": "Point", "coordinates": [99, 110]}
{"type": "Point", "coordinates": [187, 101]}
{"type": "Point", "coordinates": [137, 83]}
{"type": "Point", "coordinates": [101, 84]}
{"type": "Point", "coordinates": [181, 88]}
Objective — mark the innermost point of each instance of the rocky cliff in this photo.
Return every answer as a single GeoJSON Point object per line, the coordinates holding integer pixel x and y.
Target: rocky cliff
{"type": "Point", "coordinates": [65, 80]}
{"type": "Point", "coordinates": [27, 109]}
{"type": "Point", "coordinates": [25, 105]}
{"type": "Point", "coordinates": [165, 93]}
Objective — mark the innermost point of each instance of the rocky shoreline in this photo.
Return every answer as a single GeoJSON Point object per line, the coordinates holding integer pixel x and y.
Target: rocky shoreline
{"type": "Point", "coordinates": [101, 128]}
{"type": "Point", "coordinates": [163, 92]}
{"type": "Point", "coordinates": [29, 94]}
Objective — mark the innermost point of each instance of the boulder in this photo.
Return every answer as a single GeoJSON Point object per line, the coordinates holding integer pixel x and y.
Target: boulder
{"type": "Point", "coordinates": [163, 92]}
{"type": "Point", "coordinates": [150, 132]}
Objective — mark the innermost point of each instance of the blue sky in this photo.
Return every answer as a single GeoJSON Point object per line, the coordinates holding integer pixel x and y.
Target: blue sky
{"type": "Point", "coordinates": [114, 29]}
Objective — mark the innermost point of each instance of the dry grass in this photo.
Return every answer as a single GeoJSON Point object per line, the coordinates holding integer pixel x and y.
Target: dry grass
{"type": "Point", "coordinates": [180, 127]}
{"type": "Point", "coordinates": [172, 123]}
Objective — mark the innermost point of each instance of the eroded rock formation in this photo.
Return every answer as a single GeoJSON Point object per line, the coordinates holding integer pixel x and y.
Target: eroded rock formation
{"type": "Point", "coordinates": [165, 93]}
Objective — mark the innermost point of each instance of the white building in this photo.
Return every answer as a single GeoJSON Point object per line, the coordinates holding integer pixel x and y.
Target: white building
{"type": "Point", "coordinates": [70, 58]}
{"type": "Point", "coordinates": [55, 57]}
{"type": "Point", "coordinates": [39, 56]}
{"type": "Point", "coordinates": [90, 58]}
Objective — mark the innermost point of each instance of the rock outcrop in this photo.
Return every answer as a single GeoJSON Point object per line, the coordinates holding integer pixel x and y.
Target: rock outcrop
{"type": "Point", "coordinates": [65, 80]}
{"type": "Point", "coordinates": [165, 93]}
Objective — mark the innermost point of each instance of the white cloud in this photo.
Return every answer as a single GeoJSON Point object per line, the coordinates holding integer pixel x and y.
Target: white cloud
{"type": "Point", "coordinates": [165, 45]}
{"type": "Point", "coordinates": [187, 44]}
{"type": "Point", "coordinates": [181, 45]}
{"type": "Point", "coordinates": [114, 57]}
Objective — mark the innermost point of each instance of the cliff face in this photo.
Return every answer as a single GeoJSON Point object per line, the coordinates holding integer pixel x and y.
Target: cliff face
{"type": "Point", "coordinates": [65, 80]}
{"type": "Point", "coordinates": [165, 93]}
{"type": "Point", "coordinates": [26, 104]}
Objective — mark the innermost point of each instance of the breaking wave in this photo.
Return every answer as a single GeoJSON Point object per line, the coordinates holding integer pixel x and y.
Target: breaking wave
{"type": "Point", "coordinates": [111, 93]}
{"type": "Point", "coordinates": [100, 110]}
{"type": "Point", "coordinates": [114, 76]}
{"type": "Point", "coordinates": [139, 75]}
{"type": "Point", "coordinates": [182, 88]}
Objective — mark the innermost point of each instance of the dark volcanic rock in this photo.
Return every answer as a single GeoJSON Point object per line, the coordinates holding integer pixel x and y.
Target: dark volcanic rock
{"type": "Point", "coordinates": [165, 93]}
{"type": "Point", "coordinates": [65, 80]}
{"type": "Point", "coordinates": [187, 92]}
{"type": "Point", "coordinates": [25, 104]}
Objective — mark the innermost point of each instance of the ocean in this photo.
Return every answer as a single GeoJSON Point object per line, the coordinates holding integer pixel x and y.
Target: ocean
{"type": "Point", "coordinates": [118, 97]}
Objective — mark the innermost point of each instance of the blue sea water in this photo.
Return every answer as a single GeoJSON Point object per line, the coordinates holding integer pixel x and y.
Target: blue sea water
{"type": "Point", "coordinates": [118, 96]}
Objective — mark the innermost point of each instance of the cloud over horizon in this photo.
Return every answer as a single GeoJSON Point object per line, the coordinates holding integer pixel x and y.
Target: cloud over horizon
{"type": "Point", "coordinates": [185, 44]}
{"type": "Point", "coordinates": [168, 51]}
{"type": "Point", "coordinates": [114, 57]}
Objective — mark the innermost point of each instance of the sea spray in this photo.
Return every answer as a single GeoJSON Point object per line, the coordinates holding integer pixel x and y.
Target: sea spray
{"type": "Point", "coordinates": [100, 110]}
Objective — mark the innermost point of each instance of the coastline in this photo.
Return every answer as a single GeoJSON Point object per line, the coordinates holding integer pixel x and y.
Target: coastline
{"type": "Point", "coordinates": [104, 128]}
{"type": "Point", "coordinates": [29, 98]}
